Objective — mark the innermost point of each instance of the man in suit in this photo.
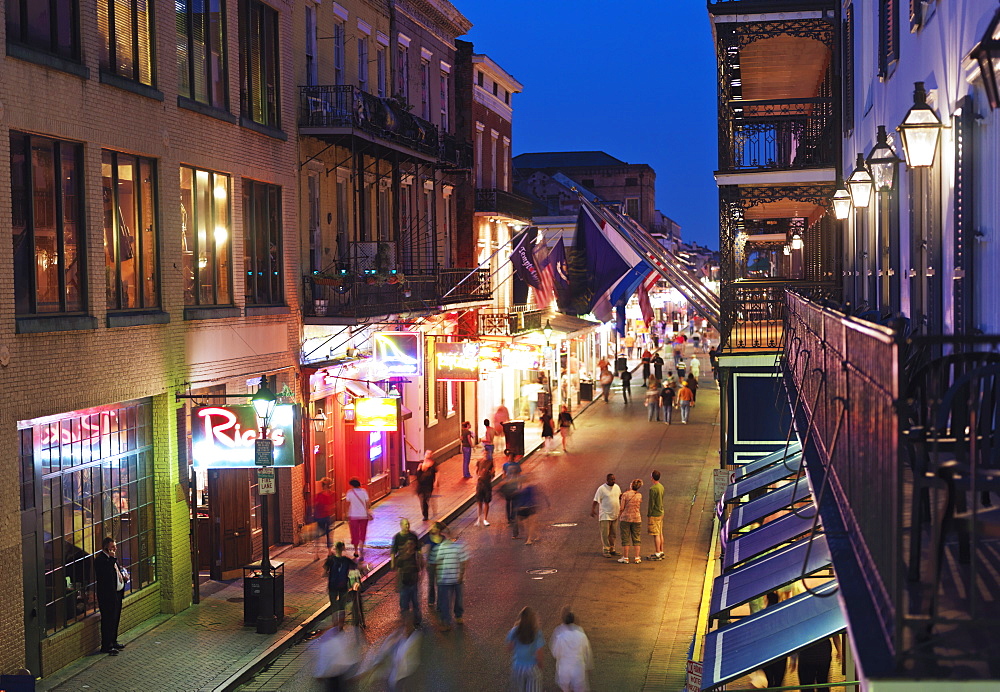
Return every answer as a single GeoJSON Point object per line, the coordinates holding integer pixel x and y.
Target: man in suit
{"type": "Point", "coordinates": [111, 579]}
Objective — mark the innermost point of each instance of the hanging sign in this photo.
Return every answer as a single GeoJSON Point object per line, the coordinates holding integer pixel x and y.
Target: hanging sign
{"type": "Point", "coordinates": [522, 357]}
{"type": "Point", "coordinates": [226, 436]}
{"type": "Point", "coordinates": [490, 358]}
{"type": "Point", "coordinates": [457, 362]}
{"type": "Point", "coordinates": [376, 414]}
{"type": "Point", "coordinates": [397, 354]}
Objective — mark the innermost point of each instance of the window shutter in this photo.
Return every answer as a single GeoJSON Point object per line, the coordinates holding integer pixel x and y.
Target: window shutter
{"type": "Point", "coordinates": [849, 70]}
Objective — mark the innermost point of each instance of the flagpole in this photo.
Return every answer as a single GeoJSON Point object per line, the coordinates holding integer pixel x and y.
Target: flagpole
{"type": "Point", "coordinates": [480, 265]}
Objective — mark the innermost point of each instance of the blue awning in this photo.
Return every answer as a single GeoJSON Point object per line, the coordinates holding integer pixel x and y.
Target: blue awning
{"type": "Point", "coordinates": [768, 504]}
{"type": "Point", "coordinates": [770, 572]}
{"type": "Point", "coordinates": [794, 447]}
{"type": "Point", "coordinates": [772, 474]}
{"type": "Point", "coordinates": [771, 534]}
{"type": "Point", "coordinates": [770, 634]}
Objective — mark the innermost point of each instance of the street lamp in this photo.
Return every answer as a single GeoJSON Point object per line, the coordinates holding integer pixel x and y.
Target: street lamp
{"type": "Point", "coordinates": [319, 422]}
{"type": "Point", "coordinates": [987, 54]}
{"type": "Point", "coordinates": [882, 161]}
{"type": "Point", "coordinates": [860, 184]}
{"type": "Point", "coordinates": [796, 243]}
{"type": "Point", "coordinates": [264, 402]}
{"type": "Point", "coordinates": [841, 203]}
{"type": "Point", "coordinates": [547, 331]}
{"type": "Point", "coordinates": [920, 130]}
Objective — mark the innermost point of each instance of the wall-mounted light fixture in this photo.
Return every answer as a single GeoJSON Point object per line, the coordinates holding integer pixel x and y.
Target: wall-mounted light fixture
{"type": "Point", "coordinates": [797, 243]}
{"type": "Point", "coordinates": [860, 184]}
{"type": "Point", "coordinates": [920, 130]}
{"type": "Point", "coordinates": [841, 203]}
{"type": "Point", "coordinates": [986, 53]}
{"type": "Point", "coordinates": [882, 161]}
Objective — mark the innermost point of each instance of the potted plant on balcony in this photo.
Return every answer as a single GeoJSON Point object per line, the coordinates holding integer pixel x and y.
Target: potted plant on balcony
{"type": "Point", "coordinates": [339, 279]}
{"type": "Point", "coordinates": [391, 277]}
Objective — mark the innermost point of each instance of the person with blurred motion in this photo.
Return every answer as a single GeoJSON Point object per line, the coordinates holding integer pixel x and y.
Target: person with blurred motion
{"type": "Point", "coordinates": [509, 487]}
{"type": "Point", "coordinates": [484, 496]}
{"type": "Point", "coordinates": [527, 503]}
{"type": "Point", "coordinates": [339, 569]}
{"type": "Point", "coordinates": [626, 378]}
{"type": "Point", "coordinates": [451, 560]}
{"type": "Point", "coordinates": [566, 425]}
{"type": "Point", "coordinates": [432, 539]}
{"type": "Point", "coordinates": [407, 562]}
{"type": "Point", "coordinates": [338, 654]}
{"type": "Point", "coordinates": [548, 431]}
{"type": "Point", "coordinates": [323, 507]}
{"type": "Point", "coordinates": [605, 379]}
{"type": "Point", "coordinates": [526, 643]}
{"type": "Point", "coordinates": [652, 400]}
{"type": "Point", "coordinates": [571, 649]}
{"type": "Point", "coordinates": [657, 362]}
{"type": "Point", "coordinates": [426, 478]}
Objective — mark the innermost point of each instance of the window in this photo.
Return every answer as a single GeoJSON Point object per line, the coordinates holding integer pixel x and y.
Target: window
{"type": "Point", "coordinates": [96, 470]}
{"type": "Point", "coordinates": [888, 36]}
{"type": "Point", "coordinates": [443, 96]}
{"type": "Point", "coordinates": [493, 160]}
{"type": "Point", "coordinates": [315, 229]}
{"type": "Point", "coordinates": [506, 96]}
{"type": "Point", "coordinates": [126, 38]}
{"type": "Point", "coordinates": [479, 156]}
{"type": "Point", "coordinates": [363, 63]}
{"type": "Point", "coordinates": [201, 51]}
{"type": "Point", "coordinates": [205, 234]}
{"type": "Point", "coordinates": [49, 247]}
{"type": "Point", "coordinates": [479, 77]}
{"type": "Point", "coordinates": [262, 243]}
{"type": "Point", "coordinates": [506, 165]}
{"type": "Point", "coordinates": [51, 26]}
{"type": "Point", "coordinates": [259, 63]}
{"type": "Point", "coordinates": [425, 90]}
{"type": "Point", "coordinates": [339, 31]}
{"type": "Point", "coordinates": [380, 69]}
{"type": "Point", "coordinates": [310, 47]}
{"type": "Point", "coordinates": [130, 232]}
{"type": "Point", "coordinates": [849, 69]}
{"type": "Point", "coordinates": [496, 89]}
{"type": "Point", "coordinates": [633, 209]}
{"type": "Point", "coordinates": [403, 73]}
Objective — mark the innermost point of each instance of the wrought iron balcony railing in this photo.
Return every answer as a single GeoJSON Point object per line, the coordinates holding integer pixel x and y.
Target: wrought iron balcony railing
{"type": "Point", "coordinates": [753, 312]}
{"type": "Point", "coordinates": [518, 319]}
{"type": "Point", "coordinates": [503, 203]}
{"type": "Point", "coordinates": [780, 134]}
{"type": "Point", "coordinates": [380, 292]}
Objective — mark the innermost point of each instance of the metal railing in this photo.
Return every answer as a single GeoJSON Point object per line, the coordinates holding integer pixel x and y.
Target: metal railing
{"type": "Point", "coordinates": [518, 319]}
{"type": "Point", "coordinates": [753, 312]}
{"type": "Point", "coordinates": [778, 134]}
{"type": "Point", "coordinates": [503, 203]}
{"type": "Point", "coordinates": [916, 584]}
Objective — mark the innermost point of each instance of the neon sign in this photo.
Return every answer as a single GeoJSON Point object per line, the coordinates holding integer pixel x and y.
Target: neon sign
{"type": "Point", "coordinates": [457, 362]}
{"type": "Point", "coordinates": [397, 353]}
{"type": "Point", "coordinates": [522, 357]}
{"type": "Point", "coordinates": [224, 436]}
{"type": "Point", "coordinates": [490, 359]}
{"type": "Point", "coordinates": [376, 414]}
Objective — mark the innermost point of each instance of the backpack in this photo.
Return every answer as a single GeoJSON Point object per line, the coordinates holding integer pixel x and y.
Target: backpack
{"type": "Point", "coordinates": [339, 571]}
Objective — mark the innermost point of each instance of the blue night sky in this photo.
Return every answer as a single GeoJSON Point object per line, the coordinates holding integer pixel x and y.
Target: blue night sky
{"type": "Point", "coordinates": [635, 79]}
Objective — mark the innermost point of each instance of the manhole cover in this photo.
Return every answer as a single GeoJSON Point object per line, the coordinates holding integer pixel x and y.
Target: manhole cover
{"type": "Point", "coordinates": [542, 571]}
{"type": "Point", "coordinates": [565, 525]}
{"type": "Point", "coordinates": [235, 600]}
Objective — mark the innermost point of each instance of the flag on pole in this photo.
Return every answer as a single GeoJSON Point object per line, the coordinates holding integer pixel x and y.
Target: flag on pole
{"type": "Point", "coordinates": [644, 305]}
{"type": "Point", "coordinates": [599, 260]}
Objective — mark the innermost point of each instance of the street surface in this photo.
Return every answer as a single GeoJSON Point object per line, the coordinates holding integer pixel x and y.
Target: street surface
{"type": "Point", "coordinates": [640, 618]}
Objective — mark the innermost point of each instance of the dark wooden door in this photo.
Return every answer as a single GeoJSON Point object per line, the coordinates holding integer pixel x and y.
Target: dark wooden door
{"type": "Point", "coordinates": [229, 509]}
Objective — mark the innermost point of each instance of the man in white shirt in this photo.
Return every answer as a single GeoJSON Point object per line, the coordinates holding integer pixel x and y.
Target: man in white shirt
{"type": "Point", "coordinates": [606, 499]}
{"type": "Point", "coordinates": [571, 649]}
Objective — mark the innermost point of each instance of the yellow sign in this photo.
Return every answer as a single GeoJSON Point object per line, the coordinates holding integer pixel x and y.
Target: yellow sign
{"type": "Point", "coordinates": [457, 362]}
{"type": "Point", "coordinates": [376, 414]}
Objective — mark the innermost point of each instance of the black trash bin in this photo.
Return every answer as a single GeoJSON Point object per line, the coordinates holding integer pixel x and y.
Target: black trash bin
{"type": "Point", "coordinates": [513, 432]}
{"type": "Point", "coordinates": [586, 391]}
{"type": "Point", "coordinates": [257, 588]}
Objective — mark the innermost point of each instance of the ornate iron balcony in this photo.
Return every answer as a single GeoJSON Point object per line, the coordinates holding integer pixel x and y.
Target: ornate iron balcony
{"type": "Point", "coordinates": [502, 203]}
{"type": "Point", "coordinates": [780, 134]}
{"type": "Point", "coordinates": [518, 319]}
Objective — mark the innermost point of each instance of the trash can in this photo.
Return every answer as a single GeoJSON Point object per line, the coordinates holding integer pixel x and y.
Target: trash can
{"type": "Point", "coordinates": [513, 432]}
{"type": "Point", "coordinates": [258, 589]}
{"type": "Point", "coordinates": [586, 391]}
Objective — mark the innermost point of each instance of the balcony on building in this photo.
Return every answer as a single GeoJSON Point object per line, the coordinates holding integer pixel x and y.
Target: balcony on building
{"type": "Point", "coordinates": [332, 111]}
{"type": "Point", "coordinates": [497, 203]}
{"type": "Point", "coordinates": [380, 278]}
{"type": "Point", "coordinates": [510, 321]}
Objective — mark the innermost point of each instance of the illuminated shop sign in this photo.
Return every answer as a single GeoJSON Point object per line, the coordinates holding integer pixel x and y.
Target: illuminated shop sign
{"type": "Point", "coordinates": [375, 447]}
{"type": "Point", "coordinates": [224, 436]}
{"type": "Point", "coordinates": [397, 353]}
{"type": "Point", "coordinates": [376, 414]}
{"type": "Point", "coordinates": [490, 358]}
{"type": "Point", "coordinates": [457, 362]}
{"type": "Point", "coordinates": [522, 357]}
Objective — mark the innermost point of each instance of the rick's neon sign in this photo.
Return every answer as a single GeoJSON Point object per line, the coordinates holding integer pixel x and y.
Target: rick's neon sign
{"type": "Point", "coordinates": [224, 436]}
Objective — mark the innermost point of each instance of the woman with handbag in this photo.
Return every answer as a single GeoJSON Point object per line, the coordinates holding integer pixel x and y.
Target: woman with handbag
{"type": "Point", "coordinates": [606, 379]}
{"type": "Point", "coordinates": [359, 513]}
{"type": "Point", "coordinates": [566, 425]}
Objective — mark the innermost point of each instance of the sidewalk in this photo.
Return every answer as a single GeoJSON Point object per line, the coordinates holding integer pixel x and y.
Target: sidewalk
{"type": "Point", "coordinates": [206, 647]}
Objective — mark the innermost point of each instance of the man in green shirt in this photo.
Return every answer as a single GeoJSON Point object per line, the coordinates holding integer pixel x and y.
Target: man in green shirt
{"type": "Point", "coordinates": [654, 515]}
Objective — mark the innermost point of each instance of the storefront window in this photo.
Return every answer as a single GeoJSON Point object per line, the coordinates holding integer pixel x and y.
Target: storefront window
{"type": "Point", "coordinates": [97, 480]}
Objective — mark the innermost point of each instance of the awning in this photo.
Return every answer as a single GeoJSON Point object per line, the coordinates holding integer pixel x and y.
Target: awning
{"type": "Point", "coordinates": [770, 634]}
{"type": "Point", "coordinates": [770, 572]}
{"type": "Point", "coordinates": [571, 326]}
{"type": "Point", "coordinates": [753, 467]}
{"type": "Point", "coordinates": [768, 504]}
{"type": "Point", "coordinates": [771, 534]}
{"type": "Point", "coordinates": [772, 474]}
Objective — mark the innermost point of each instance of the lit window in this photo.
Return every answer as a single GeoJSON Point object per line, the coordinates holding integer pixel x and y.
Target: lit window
{"type": "Point", "coordinates": [126, 39]}
{"type": "Point", "coordinates": [205, 237]}
{"type": "Point", "coordinates": [259, 63]}
{"type": "Point", "coordinates": [201, 51]}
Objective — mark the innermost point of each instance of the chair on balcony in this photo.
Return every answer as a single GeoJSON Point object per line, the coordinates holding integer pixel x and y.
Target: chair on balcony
{"type": "Point", "coordinates": [925, 434]}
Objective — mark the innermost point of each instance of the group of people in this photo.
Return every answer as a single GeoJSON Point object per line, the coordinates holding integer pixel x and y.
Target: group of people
{"type": "Point", "coordinates": [668, 395]}
{"type": "Point", "coordinates": [621, 512]}
{"type": "Point", "coordinates": [569, 646]}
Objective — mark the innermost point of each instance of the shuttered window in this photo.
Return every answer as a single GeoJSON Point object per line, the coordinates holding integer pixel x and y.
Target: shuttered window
{"type": "Point", "coordinates": [201, 51]}
{"type": "Point", "coordinates": [888, 36]}
{"type": "Point", "coordinates": [849, 69]}
{"type": "Point", "coordinates": [126, 38]}
{"type": "Point", "coordinates": [262, 243]}
{"type": "Point", "coordinates": [52, 26]}
{"type": "Point", "coordinates": [259, 62]}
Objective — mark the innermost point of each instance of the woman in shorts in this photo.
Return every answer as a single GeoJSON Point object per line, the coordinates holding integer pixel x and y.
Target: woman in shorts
{"type": "Point", "coordinates": [630, 521]}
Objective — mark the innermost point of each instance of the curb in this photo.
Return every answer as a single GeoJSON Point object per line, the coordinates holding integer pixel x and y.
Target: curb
{"type": "Point", "coordinates": [300, 631]}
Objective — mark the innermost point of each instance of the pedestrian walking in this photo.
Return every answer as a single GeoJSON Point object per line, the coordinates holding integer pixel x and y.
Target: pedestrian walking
{"type": "Point", "coordinates": [451, 559]}
{"type": "Point", "coordinates": [426, 478]}
{"type": "Point", "coordinates": [685, 399]}
{"type": "Point", "coordinates": [654, 516]}
{"type": "Point", "coordinates": [407, 562]}
{"type": "Point", "coordinates": [630, 521]}
{"type": "Point", "coordinates": [111, 580]}
{"type": "Point", "coordinates": [667, 395]}
{"type": "Point", "coordinates": [713, 360]}
{"type": "Point", "coordinates": [694, 367]}
{"type": "Point", "coordinates": [606, 378]}
{"type": "Point", "coordinates": [647, 357]}
{"type": "Point", "coordinates": [814, 664]}
{"type": "Point", "coordinates": [626, 378]}
{"type": "Point", "coordinates": [340, 572]}
{"type": "Point", "coordinates": [548, 431]}
{"type": "Point", "coordinates": [484, 496]}
{"type": "Point", "coordinates": [510, 486]}
{"type": "Point", "coordinates": [566, 425]}
{"type": "Point", "coordinates": [432, 539]}
{"type": "Point", "coordinates": [323, 506]}
{"type": "Point", "coordinates": [359, 513]}
{"type": "Point", "coordinates": [488, 434]}
{"type": "Point", "coordinates": [657, 362]}
{"type": "Point", "coordinates": [468, 442]}
{"type": "Point", "coordinates": [526, 644]}
{"type": "Point", "coordinates": [527, 503]}
{"type": "Point", "coordinates": [398, 654]}
{"type": "Point", "coordinates": [501, 416]}
{"type": "Point", "coordinates": [621, 363]}
{"type": "Point", "coordinates": [692, 382]}
{"type": "Point", "coordinates": [571, 649]}
{"type": "Point", "coordinates": [652, 400]}
{"type": "Point", "coordinates": [338, 653]}
{"type": "Point", "coordinates": [606, 508]}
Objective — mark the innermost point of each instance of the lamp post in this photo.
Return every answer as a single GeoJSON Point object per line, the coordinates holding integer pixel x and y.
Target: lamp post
{"type": "Point", "coordinates": [882, 161]}
{"type": "Point", "coordinates": [263, 404]}
{"type": "Point", "coordinates": [547, 331]}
